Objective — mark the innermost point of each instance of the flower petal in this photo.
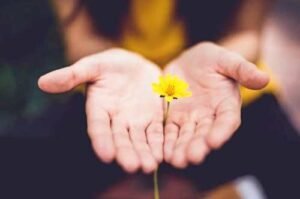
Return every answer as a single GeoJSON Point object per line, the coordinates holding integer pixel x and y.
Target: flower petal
{"type": "Point", "coordinates": [179, 87]}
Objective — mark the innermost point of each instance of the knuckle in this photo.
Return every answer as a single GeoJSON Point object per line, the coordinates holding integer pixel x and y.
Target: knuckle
{"type": "Point", "coordinates": [137, 126]}
{"type": "Point", "coordinates": [142, 147]}
{"type": "Point", "coordinates": [123, 147]}
{"type": "Point", "coordinates": [139, 141]}
{"type": "Point", "coordinates": [171, 128]}
{"type": "Point", "coordinates": [224, 58]}
{"type": "Point", "coordinates": [181, 144]}
{"type": "Point", "coordinates": [227, 58]}
{"type": "Point", "coordinates": [138, 123]}
{"type": "Point", "coordinates": [155, 139]}
{"type": "Point", "coordinates": [155, 128]}
{"type": "Point", "coordinates": [185, 133]}
{"type": "Point", "coordinates": [170, 142]}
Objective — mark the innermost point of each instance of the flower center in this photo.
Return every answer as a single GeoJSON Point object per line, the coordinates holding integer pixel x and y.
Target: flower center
{"type": "Point", "coordinates": [170, 90]}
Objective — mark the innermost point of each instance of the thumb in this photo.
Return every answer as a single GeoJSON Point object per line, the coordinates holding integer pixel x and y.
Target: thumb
{"type": "Point", "coordinates": [244, 72]}
{"type": "Point", "coordinates": [65, 79]}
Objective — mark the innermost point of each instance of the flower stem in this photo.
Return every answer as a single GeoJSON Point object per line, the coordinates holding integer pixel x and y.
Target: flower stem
{"type": "Point", "coordinates": [155, 180]}
{"type": "Point", "coordinates": [156, 189]}
{"type": "Point", "coordinates": [166, 113]}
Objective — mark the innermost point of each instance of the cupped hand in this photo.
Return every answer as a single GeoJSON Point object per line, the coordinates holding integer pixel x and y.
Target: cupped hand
{"type": "Point", "coordinates": [124, 117]}
{"type": "Point", "coordinates": [208, 119]}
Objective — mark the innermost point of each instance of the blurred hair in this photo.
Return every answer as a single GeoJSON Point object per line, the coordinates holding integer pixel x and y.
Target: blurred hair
{"type": "Point", "coordinates": [24, 30]}
{"type": "Point", "coordinates": [107, 15]}
{"type": "Point", "coordinates": [205, 19]}
{"type": "Point", "coordinates": [24, 26]}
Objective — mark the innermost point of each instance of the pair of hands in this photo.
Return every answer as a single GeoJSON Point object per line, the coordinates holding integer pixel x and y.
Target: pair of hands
{"type": "Point", "coordinates": [125, 118]}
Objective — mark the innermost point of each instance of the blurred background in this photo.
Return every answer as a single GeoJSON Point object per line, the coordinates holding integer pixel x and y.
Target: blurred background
{"type": "Point", "coordinates": [44, 149]}
{"type": "Point", "coordinates": [281, 51]}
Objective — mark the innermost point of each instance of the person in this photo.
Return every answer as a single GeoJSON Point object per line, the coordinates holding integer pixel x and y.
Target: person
{"type": "Point", "coordinates": [118, 87]}
{"type": "Point", "coordinates": [118, 96]}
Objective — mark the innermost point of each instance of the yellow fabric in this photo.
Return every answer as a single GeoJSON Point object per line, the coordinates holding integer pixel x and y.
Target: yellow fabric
{"type": "Point", "coordinates": [80, 88]}
{"type": "Point", "coordinates": [153, 31]}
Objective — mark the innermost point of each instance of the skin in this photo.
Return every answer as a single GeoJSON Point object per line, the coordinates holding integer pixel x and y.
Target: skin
{"type": "Point", "coordinates": [214, 71]}
{"type": "Point", "coordinates": [208, 119]}
{"type": "Point", "coordinates": [124, 116]}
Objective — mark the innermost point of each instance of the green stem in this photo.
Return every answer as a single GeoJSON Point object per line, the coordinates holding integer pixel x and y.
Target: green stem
{"type": "Point", "coordinates": [156, 189]}
{"type": "Point", "coordinates": [155, 180]}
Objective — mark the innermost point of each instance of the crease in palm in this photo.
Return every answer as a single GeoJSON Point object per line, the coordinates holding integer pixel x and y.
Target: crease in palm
{"type": "Point", "coordinates": [125, 118]}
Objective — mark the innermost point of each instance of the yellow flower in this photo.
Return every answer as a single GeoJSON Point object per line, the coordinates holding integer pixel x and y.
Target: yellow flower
{"type": "Point", "coordinates": [171, 87]}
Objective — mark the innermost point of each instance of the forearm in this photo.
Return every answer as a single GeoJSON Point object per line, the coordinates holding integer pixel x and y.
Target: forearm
{"type": "Point", "coordinates": [78, 32]}
{"type": "Point", "coordinates": [245, 35]}
{"type": "Point", "coordinates": [246, 43]}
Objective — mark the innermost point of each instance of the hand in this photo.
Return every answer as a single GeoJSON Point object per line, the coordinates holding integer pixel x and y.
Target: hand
{"type": "Point", "coordinates": [124, 117]}
{"type": "Point", "coordinates": [209, 118]}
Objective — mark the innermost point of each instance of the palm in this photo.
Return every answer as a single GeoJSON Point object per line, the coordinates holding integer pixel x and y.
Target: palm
{"type": "Point", "coordinates": [208, 118]}
{"type": "Point", "coordinates": [124, 117]}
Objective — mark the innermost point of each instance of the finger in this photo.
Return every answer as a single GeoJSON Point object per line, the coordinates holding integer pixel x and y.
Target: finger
{"type": "Point", "coordinates": [126, 155]}
{"type": "Point", "coordinates": [138, 139]}
{"type": "Point", "coordinates": [197, 148]}
{"type": "Point", "coordinates": [186, 132]}
{"type": "Point", "coordinates": [227, 120]}
{"type": "Point", "coordinates": [171, 134]}
{"type": "Point", "coordinates": [155, 139]}
{"type": "Point", "coordinates": [65, 79]}
{"type": "Point", "coordinates": [100, 133]}
{"type": "Point", "coordinates": [246, 73]}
